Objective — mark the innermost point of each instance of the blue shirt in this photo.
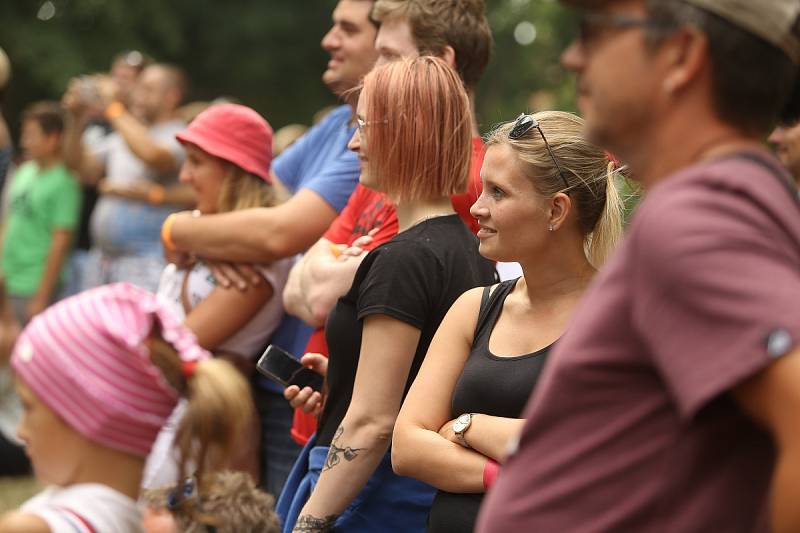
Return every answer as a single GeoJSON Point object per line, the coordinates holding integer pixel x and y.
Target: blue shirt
{"type": "Point", "coordinates": [319, 161]}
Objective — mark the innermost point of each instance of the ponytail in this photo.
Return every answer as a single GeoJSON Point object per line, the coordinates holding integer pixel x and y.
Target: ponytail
{"type": "Point", "coordinates": [219, 408]}
{"type": "Point", "coordinates": [600, 243]}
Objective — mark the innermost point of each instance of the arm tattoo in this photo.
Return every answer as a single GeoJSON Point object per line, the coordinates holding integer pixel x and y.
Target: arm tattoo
{"type": "Point", "coordinates": [312, 524]}
{"type": "Point", "coordinates": [336, 453]}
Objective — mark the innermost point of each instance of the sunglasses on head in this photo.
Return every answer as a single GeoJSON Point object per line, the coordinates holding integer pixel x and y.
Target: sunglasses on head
{"type": "Point", "coordinates": [526, 123]}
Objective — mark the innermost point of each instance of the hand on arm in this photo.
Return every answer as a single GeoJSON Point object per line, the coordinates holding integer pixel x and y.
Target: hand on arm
{"type": "Point", "coordinates": [59, 249]}
{"type": "Point", "coordinates": [418, 449]}
{"type": "Point", "coordinates": [366, 430]}
{"type": "Point", "coordinates": [259, 235]}
{"type": "Point", "coordinates": [772, 398]}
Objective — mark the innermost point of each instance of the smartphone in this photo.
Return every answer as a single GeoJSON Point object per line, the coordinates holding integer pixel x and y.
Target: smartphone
{"type": "Point", "coordinates": [279, 365]}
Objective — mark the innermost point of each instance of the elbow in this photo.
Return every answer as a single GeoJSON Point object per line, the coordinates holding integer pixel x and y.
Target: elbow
{"type": "Point", "coordinates": [402, 460]}
{"type": "Point", "coordinates": [320, 309]}
{"type": "Point", "coordinates": [374, 428]}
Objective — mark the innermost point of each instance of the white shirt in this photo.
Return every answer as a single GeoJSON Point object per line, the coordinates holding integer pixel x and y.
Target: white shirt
{"type": "Point", "coordinates": [85, 508]}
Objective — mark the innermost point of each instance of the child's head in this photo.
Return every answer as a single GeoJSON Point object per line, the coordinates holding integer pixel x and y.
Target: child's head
{"type": "Point", "coordinates": [228, 156]}
{"type": "Point", "coordinates": [104, 369]}
{"type": "Point", "coordinates": [42, 126]}
{"type": "Point", "coordinates": [229, 501]}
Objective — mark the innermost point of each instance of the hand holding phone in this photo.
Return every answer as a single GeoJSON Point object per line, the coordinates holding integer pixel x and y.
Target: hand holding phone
{"type": "Point", "coordinates": [280, 366]}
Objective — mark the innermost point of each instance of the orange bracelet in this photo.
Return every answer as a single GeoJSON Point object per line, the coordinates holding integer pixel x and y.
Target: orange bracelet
{"type": "Point", "coordinates": [166, 233]}
{"type": "Point", "coordinates": [114, 110]}
{"type": "Point", "coordinates": [155, 194]}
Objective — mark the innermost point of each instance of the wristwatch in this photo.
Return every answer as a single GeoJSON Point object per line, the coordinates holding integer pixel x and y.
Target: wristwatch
{"type": "Point", "coordinates": [460, 426]}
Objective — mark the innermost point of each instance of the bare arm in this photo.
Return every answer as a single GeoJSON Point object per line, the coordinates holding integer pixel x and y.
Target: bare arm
{"type": "Point", "coordinates": [418, 450]}
{"type": "Point", "coordinates": [772, 398]}
{"type": "Point", "coordinates": [488, 435]}
{"type": "Point", "coordinates": [16, 522]}
{"type": "Point", "coordinates": [260, 235]}
{"type": "Point", "coordinates": [295, 299]}
{"type": "Point", "coordinates": [143, 146]}
{"type": "Point", "coordinates": [76, 157]}
{"type": "Point", "coordinates": [59, 248]}
{"type": "Point", "coordinates": [226, 311]}
{"type": "Point", "coordinates": [177, 195]}
{"type": "Point", "coordinates": [366, 430]}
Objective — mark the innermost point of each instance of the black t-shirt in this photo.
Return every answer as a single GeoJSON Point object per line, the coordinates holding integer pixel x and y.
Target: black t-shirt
{"type": "Point", "coordinates": [491, 385]}
{"type": "Point", "coordinates": [415, 278]}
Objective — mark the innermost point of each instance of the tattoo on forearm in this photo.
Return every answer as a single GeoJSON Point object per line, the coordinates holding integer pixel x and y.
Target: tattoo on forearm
{"type": "Point", "coordinates": [311, 524]}
{"type": "Point", "coordinates": [336, 453]}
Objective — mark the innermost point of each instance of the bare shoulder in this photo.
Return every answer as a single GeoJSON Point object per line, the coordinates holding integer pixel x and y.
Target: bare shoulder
{"type": "Point", "coordinates": [17, 522]}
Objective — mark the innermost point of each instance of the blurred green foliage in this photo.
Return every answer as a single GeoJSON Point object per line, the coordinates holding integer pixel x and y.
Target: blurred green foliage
{"type": "Point", "coordinates": [264, 53]}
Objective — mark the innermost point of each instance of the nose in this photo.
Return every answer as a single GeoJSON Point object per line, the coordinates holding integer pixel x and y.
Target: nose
{"type": "Point", "coordinates": [355, 141]}
{"type": "Point", "coordinates": [185, 174]}
{"type": "Point", "coordinates": [777, 136]}
{"type": "Point", "coordinates": [331, 40]}
{"type": "Point", "coordinates": [572, 58]}
{"type": "Point", "coordinates": [479, 210]}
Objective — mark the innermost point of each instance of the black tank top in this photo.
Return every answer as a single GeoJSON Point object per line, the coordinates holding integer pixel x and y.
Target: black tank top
{"type": "Point", "coordinates": [491, 385]}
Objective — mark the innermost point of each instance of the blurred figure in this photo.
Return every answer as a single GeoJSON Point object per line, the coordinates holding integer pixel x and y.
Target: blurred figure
{"type": "Point", "coordinates": [231, 504]}
{"type": "Point", "coordinates": [88, 443]}
{"type": "Point", "coordinates": [125, 69]}
{"type": "Point", "coordinates": [142, 152]}
{"type": "Point", "coordinates": [320, 174]}
{"type": "Point", "coordinates": [6, 148]}
{"type": "Point", "coordinates": [13, 461]}
{"type": "Point", "coordinates": [670, 404]}
{"type": "Point", "coordinates": [44, 204]}
{"type": "Point", "coordinates": [786, 140]}
{"type": "Point", "coordinates": [286, 136]}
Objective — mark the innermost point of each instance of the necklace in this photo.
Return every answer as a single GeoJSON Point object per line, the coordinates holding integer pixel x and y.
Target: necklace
{"type": "Point", "coordinates": [428, 217]}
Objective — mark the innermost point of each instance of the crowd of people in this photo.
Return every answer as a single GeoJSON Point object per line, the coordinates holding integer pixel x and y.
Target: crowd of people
{"type": "Point", "coordinates": [637, 378]}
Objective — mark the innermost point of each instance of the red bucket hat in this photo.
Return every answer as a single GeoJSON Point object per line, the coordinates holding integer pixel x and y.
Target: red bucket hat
{"type": "Point", "coordinates": [235, 133]}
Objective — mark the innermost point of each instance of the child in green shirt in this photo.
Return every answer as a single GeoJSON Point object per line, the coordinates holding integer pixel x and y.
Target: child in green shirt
{"type": "Point", "coordinates": [44, 205]}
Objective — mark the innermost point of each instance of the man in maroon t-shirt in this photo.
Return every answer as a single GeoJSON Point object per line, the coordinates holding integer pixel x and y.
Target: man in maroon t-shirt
{"type": "Point", "coordinates": [457, 31]}
{"type": "Point", "coordinates": [671, 402]}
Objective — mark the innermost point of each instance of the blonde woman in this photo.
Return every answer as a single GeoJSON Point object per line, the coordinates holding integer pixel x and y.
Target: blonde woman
{"type": "Point", "coordinates": [548, 202]}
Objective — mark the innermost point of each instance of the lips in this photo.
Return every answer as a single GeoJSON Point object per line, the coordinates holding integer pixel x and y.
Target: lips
{"type": "Point", "coordinates": [484, 232]}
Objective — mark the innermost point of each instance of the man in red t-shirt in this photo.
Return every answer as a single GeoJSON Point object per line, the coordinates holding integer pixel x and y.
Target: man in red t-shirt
{"type": "Point", "coordinates": [456, 31]}
{"type": "Point", "coordinates": [670, 404]}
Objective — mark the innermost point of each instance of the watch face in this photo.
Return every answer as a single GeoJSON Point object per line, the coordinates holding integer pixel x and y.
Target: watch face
{"type": "Point", "coordinates": [461, 423]}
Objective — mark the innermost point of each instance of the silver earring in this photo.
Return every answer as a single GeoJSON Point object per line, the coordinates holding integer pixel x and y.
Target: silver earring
{"type": "Point", "coordinates": [550, 227]}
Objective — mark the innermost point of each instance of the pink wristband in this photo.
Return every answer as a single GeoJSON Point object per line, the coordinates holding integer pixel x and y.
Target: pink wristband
{"type": "Point", "coordinates": [490, 472]}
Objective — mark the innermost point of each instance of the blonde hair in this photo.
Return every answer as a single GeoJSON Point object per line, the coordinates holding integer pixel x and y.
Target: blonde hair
{"type": "Point", "coordinates": [418, 128]}
{"type": "Point", "coordinates": [229, 500]}
{"type": "Point", "coordinates": [219, 407]}
{"type": "Point", "coordinates": [590, 176]}
{"type": "Point", "coordinates": [243, 190]}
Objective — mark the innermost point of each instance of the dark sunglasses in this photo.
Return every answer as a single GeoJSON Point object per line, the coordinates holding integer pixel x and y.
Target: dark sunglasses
{"type": "Point", "coordinates": [526, 123]}
{"type": "Point", "coordinates": [591, 24]}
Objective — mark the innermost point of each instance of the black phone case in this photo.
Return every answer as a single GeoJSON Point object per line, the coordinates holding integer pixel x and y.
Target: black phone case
{"type": "Point", "coordinates": [276, 369]}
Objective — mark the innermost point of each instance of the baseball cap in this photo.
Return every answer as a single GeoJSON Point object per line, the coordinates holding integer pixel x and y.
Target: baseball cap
{"type": "Point", "coordinates": [235, 133]}
{"type": "Point", "coordinates": [775, 21]}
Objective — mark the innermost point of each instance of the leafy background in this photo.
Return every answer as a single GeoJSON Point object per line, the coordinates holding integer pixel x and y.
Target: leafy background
{"type": "Point", "coordinates": [266, 53]}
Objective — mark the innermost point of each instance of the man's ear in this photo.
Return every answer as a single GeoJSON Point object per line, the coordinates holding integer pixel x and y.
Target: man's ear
{"type": "Point", "coordinates": [687, 56]}
{"type": "Point", "coordinates": [449, 56]}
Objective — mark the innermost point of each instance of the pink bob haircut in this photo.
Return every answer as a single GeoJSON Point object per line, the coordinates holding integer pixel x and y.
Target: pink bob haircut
{"type": "Point", "coordinates": [420, 129]}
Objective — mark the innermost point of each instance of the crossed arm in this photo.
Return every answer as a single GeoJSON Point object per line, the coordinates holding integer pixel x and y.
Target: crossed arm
{"type": "Point", "coordinates": [364, 435]}
{"type": "Point", "coordinates": [424, 446]}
